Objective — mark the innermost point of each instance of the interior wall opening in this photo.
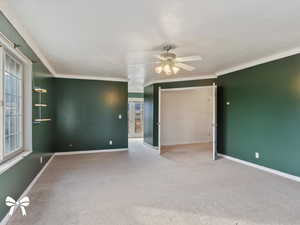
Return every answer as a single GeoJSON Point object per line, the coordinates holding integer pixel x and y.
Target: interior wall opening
{"type": "Point", "coordinates": [186, 123]}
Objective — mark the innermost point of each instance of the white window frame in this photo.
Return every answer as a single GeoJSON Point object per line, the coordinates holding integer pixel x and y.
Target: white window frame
{"type": "Point", "coordinates": [9, 155]}
{"type": "Point", "coordinates": [8, 160]}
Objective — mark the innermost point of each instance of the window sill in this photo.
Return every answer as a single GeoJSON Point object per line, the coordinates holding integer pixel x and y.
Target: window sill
{"type": "Point", "coordinates": [10, 163]}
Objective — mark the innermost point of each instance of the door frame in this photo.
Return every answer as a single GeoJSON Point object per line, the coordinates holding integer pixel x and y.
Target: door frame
{"type": "Point", "coordinates": [159, 118]}
{"type": "Point", "coordinates": [140, 100]}
{"type": "Point", "coordinates": [214, 114]}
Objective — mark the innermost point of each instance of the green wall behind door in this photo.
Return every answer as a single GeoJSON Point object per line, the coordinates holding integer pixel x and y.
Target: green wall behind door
{"type": "Point", "coordinates": [263, 115]}
{"type": "Point", "coordinates": [149, 114]}
{"type": "Point", "coordinates": [87, 114]}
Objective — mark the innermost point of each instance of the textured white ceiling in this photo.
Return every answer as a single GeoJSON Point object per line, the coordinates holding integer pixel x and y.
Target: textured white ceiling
{"type": "Point", "coordinates": [104, 37]}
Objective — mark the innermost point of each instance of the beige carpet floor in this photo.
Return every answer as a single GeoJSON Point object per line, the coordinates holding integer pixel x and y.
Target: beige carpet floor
{"type": "Point", "coordinates": [141, 187]}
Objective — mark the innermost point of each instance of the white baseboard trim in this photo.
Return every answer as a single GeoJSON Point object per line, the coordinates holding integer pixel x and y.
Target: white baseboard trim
{"type": "Point", "coordinates": [188, 143]}
{"type": "Point", "coordinates": [5, 220]}
{"type": "Point", "coordinates": [266, 169]}
{"type": "Point", "coordinates": [37, 176]}
{"type": "Point", "coordinates": [91, 151]}
{"type": "Point", "coordinates": [150, 146]}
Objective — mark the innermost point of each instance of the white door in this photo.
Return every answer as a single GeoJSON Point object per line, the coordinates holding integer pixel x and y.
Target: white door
{"type": "Point", "coordinates": [214, 121]}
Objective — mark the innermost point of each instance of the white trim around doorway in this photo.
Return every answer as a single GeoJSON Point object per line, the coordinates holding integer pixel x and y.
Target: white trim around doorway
{"type": "Point", "coordinates": [214, 126]}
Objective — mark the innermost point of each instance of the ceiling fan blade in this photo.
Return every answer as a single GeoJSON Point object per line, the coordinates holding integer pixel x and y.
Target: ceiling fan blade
{"type": "Point", "coordinates": [143, 64]}
{"type": "Point", "coordinates": [159, 57]}
{"type": "Point", "coordinates": [189, 58]}
{"type": "Point", "coordinates": [185, 66]}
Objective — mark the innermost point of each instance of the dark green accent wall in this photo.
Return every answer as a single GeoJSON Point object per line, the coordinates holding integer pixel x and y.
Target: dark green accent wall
{"type": "Point", "coordinates": [135, 95]}
{"type": "Point", "coordinates": [87, 114]}
{"type": "Point", "coordinates": [263, 115]}
{"type": "Point", "coordinates": [151, 103]}
{"type": "Point", "coordinates": [43, 133]}
{"type": "Point", "coordinates": [149, 114]}
{"type": "Point", "coordinates": [15, 180]}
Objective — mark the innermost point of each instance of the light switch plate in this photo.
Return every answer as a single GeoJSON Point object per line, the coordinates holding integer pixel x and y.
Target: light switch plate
{"type": "Point", "coordinates": [257, 155]}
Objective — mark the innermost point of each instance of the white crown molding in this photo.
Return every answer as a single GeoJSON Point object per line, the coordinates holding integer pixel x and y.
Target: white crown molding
{"type": "Point", "coordinates": [259, 61]}
{"type": "Point", "coordinates": [9, 45]}
{"type": "Point", "coordinates": [10, 15]}
{"type": "Point", "coordinates": [203, 77]}
{"type": "Point", "coordinates": [87, 77]}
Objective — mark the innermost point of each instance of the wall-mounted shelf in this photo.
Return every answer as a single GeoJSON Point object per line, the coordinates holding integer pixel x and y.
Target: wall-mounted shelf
{"type": "Point", "coordinates": [40, 91]}
{"type": "Point", "coordinates": [40, 105]}
{"type": "Point", "coordinates": [42, 120]}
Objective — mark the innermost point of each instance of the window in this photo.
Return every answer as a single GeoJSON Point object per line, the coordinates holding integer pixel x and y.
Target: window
{"type": "Point", "coordinates": [12, 105]}
{"type": "Point", "coordinates": [15, 105]}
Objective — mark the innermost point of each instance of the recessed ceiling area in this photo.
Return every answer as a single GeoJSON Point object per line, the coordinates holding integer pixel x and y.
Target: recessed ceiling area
{"type": "Point", "coordinates": [119, 39]}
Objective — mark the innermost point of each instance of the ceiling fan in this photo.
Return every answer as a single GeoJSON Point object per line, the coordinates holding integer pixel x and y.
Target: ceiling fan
{"type": "Point", "coordinates": [170, 64]}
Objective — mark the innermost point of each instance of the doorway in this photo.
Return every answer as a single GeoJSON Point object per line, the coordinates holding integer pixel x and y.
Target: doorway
{"type": "Point", "coordinates": [187, 119]}
{"type": "Point", "coordinates": [135, 118]}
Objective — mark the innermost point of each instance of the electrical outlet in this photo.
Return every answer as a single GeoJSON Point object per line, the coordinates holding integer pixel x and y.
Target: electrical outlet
{"type": "Point", "coordinates": [257, 155]}
{"type": "Point", "coordinates": [41, 159]}
{"type": "Point", "coordinates": [120, 116]}
{"type": "Point", "coordinates": [110, 142]}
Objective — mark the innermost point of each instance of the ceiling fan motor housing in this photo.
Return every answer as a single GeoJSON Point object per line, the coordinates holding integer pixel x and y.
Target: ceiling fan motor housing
{"type": "Point", "coordinates": [168, 56]}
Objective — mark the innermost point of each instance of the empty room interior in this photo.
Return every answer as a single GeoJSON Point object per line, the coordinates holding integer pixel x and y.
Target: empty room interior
{"type": "Point", "coordinates": [149, 112]}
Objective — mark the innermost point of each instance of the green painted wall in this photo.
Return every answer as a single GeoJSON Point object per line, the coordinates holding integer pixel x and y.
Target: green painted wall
{"type": "Point", "coordinates": [87, 114]}
{"type": "Point", "coordinates": [15, 180]}
{"type": "Point", "coordinates": [148, 114]}
{"type": "Point", "coordinates": [151, 103]}
{"type": "Point", "coordinates": [43, 133]}
{"type": "Point", "coordinates": [135, 95]}
{"type": "Point", "coordinates": [263, 115]}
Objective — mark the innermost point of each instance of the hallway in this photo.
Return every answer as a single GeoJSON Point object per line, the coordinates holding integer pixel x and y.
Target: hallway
{"type": "Point", "coordinates": [141, 187]}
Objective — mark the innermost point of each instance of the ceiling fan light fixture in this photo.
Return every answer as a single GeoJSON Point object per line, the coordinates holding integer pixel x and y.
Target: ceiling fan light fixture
{"type": "Point", "coordinates": [168, 73]}
{"type": "Point", "coordinates": [169, 64]}
{"type": "Point", "coordinates": [175, 69]}
{"type": "Point", "coordinates": [158, 69]}
{"type": "Point", "coordinates": [167, 69]}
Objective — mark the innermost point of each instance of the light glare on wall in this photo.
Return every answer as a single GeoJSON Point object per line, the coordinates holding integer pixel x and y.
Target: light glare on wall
{"type": "Point", "coordinates": [111, 98]}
